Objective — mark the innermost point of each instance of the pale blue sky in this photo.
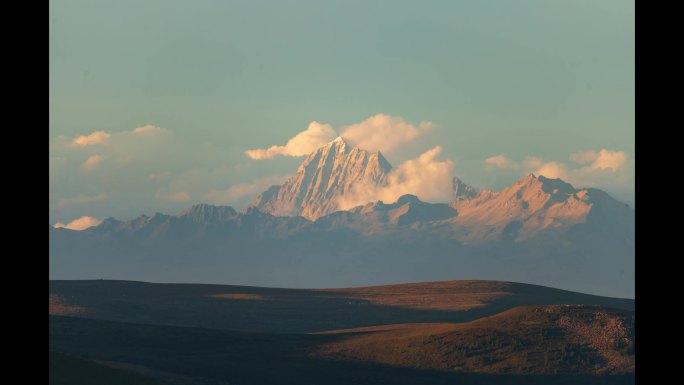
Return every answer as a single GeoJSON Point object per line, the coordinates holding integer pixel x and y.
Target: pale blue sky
{"type": "Point", "coordinates": [518, 78]}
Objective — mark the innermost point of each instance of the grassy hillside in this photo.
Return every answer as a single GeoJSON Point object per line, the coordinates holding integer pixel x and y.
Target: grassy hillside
{"type": "Point", "coordinates": [450, 332]}
{"type": "Point", "coordinates": [302, 311]}
{"type": "Point", "coordinates": [541, 340]}
{"type": "Point", "coordinates": [427, 354]}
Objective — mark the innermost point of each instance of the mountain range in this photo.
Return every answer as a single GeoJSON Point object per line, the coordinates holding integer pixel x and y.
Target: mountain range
{"type": "Point", "coordinates": [538, 230]}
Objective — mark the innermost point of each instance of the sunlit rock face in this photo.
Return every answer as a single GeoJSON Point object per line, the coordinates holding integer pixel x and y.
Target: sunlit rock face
{"type": "Point", "coordinates": [325, 176]}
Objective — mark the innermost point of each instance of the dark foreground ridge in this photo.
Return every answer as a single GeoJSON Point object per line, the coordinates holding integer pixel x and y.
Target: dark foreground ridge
{"type": "Point", "coordinates": [260, 309]}
{"type": "Point", "coordinates": [466, 332]}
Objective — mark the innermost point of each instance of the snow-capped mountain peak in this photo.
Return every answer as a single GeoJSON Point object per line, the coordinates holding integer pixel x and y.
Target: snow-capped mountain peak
{"type": "Point", "coordinates": [325, 176]}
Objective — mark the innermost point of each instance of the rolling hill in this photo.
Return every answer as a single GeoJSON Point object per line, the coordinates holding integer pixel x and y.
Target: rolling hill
{"type": "Point", "coordinates": [469, 332]}
{"type": "Point", "coordinates": [258, 309]}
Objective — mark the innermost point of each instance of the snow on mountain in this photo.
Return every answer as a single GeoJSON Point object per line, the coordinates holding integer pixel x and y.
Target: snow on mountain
{"type": "Point", "coordinates": [324, 176]}
{"type": "Point", "coordinates": [527, 208]}
{"type": "Point", "coordinates": [461, 190]}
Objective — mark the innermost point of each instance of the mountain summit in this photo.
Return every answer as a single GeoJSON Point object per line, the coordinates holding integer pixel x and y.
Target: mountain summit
{"type": "Point", "coordinates": [536, 206]}
{"type": "Point", "coordinates": [324, 177]}
{"type": "Point", "coordinates": [461, 190]}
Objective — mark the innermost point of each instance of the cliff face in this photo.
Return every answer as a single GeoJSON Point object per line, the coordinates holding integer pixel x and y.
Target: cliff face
{"type": "Point", "coordinates": [324, 176]}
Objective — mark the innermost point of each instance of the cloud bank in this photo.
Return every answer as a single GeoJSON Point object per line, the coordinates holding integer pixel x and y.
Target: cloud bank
{"type": "Point", "coordinates": [599, 165]}
{"type": "Point", "coordinates": [500, 161]}
{"type": "Point", "coordinates": [384, 133]}
{"type": "Point", "coordinates": [602, 160]}
{"type": "Point", "coordinates": [97, 137]}
{"type": "Point", "coordinates": [81, 223]}
{"type": "Point", "coordinates": [149, 168]}
{"type": "Point", "coordinates": [606, 169]}
{"type": "Point", "coordinates": [426, 177]}
{"type": "Point", "coordinates": [302, 144]}
{"type": "Point", "coordinates": [380, 132]}
{"type": "Point", "coordinates": [148, 129]}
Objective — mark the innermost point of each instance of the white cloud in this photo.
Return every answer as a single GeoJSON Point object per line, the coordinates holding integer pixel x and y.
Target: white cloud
{"type": "Point", "coordinates": [426, 177]}
{"type": "Point", "coordinates": [604, 159]}
{"type": "Point", "coordinates": [177, 197]}
{"type": "Point", "coordinates": [378, 133]}
{"type": "Point", "coordinates": [384, 133]}
{"type": "Point", "coordinates": [81, 223]}
{"type": "Point", "coordinates": [97, 137]}
{"type": "Point", "coordinates": [92, 163]}
{"type": "Point", "coordinates": [142, 167]}
{"type": "Point", "coordinates": [302, 144]}
{"type": "Point", "coordinates": [242, 190]}
{"type": "Point", "coordinates": [612, 171]}
{"type": "Point", "coordinates": [609, 170]}
{"type": "Point", "coordinates": [144, 144]}
{"type": "Point", "coordinates": [148, 129]}
{"type": "Point", "coordinates": [609, 160]}
{"type": "Point", "coordinates": [598, 166]}
{"type": "Point", "coordinates": [118, 138]}
{"type": "Point", "coordinates": [554, 170]}
{"type": "Point", "coordinates": [500, 161]}
{"type": "Point", "coordinates": [601, 167]}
